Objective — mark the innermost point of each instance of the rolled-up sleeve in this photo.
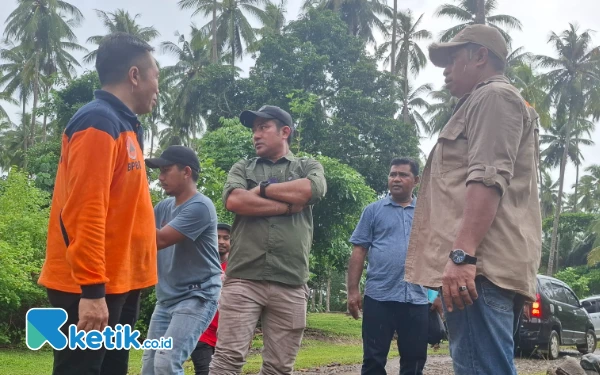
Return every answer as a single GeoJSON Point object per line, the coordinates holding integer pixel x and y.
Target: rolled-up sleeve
{"type": "Point", "coordinates": [236, 179]}
{"type": "Point", "coordinates": [494, 129]}
{"type": "Point", "coordinates": [316, 174]}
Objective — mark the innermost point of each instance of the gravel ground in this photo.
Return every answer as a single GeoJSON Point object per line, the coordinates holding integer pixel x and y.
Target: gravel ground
{"type": "Point", "coordinates": [442, 365]}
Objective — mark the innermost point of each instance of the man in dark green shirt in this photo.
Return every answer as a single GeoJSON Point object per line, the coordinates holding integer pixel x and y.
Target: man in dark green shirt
{"type": "Point", "coordinates": [272, 196]}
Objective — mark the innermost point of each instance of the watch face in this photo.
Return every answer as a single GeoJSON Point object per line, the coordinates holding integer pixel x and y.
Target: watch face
{"type": "Point", "coordinates": [458, 256]}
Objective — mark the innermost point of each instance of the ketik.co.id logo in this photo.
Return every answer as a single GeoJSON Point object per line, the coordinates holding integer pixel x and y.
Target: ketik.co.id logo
{"type": "Point", "coordinates": [43, 326]}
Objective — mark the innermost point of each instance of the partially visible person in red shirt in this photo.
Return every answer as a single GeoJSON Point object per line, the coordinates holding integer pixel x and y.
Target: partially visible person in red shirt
{"type": "Point", "coordinates": [202, 355]}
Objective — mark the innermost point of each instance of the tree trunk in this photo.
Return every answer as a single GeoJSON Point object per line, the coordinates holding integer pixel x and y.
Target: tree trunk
{"type": "Point", "coordinates": [214, 33]}
{"type": "Point", "coordinates": [44, 133]}
{"type": "Point", "coordinates": [151, 141]}
{"type": "Point", "coordinates": [232, 39]}
{"type": "Point", "coordinates": [313, 308]}
{"type": "Point", "coordinates": [25, 132]}
{"type": "Point", "coordinates": [480, 16]}
{"type": "Point", "coordinates": [328, 300]}
{"type": "Point", "coordinates": [394, 31]}
{"type": "Point", "coordinates": [405, 113]}
{"type": "Point", "coordinates": [36, 94]}
{"type": "Point", "coordinates": [576, 198]}
{"type": "Point", "coordinates": [557, 209]}
{"type": "Point", "coordinates": [320, 295]}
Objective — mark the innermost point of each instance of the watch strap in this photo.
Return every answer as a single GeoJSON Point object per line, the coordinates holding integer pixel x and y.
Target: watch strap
{"type": "Point", "coordinates": [263, 188]}
{"type": "Point", "coordinates": [470, 259]}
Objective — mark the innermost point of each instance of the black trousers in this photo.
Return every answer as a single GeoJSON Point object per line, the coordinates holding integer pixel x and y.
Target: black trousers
{"type": "Point", "coordinates": [201, 357]}
{"type": "Point", "coordinates": [380, 321]}
{"type": "Point", "coordinates": [122, 309]}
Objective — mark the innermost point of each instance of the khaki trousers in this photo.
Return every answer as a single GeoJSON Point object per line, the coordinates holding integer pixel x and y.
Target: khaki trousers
{"type": "Point", "coordinates": [282, 310]}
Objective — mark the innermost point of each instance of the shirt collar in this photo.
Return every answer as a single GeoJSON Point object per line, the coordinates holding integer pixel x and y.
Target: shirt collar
{"type": "Point", "coordinates": [390, 202]}
{"type": "Point", "coordinates": [497, 78]}
{"type": "Point", "coordinates": [118, 105]}
{"type": "Point", "coordinates": [289, 157]}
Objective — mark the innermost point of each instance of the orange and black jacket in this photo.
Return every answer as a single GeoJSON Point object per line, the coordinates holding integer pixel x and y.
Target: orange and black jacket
{"type": "Point", "coordinates": [101, 235]}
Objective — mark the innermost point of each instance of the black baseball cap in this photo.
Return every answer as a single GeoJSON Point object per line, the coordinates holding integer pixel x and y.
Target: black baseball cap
{"type": "Point", "coordinates": [224, 226]}
{"type": "Point", "coordinates": [176, 155]}
{"type": "Point", "coordinates": [268, 112]}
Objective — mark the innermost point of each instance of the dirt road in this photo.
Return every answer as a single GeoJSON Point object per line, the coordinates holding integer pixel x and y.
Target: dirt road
{"type": "Point", "coordinates": [442, 365]}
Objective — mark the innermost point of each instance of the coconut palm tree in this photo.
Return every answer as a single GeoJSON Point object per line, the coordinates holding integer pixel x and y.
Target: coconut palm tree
{"type": "Point", "coordinates": [466, 12]}
{"type": "Point", "coordinates": [120, 21]}
{"type": "Point", "coordinates": [207, 7]}
{"type": "Point", "coordinates": [440, 112]}
{"type": "Point", "coordinates": [5, 96]}
{"type": "Point", "coordinates": [410, 56]}
{"type": "Point", "coordinates": [193, 56]}
{"type": "Point", "coordinates": [574, 73]}
{"type": "Point", "coordinates": [42, 27]}
{"type": "Point", "coordinates": [363, 17]}
{"type": "Point", "coordinates": [18, 73]}
{"type": "Point", "coordinates": [532, 88]}
{"type": "Point", "coordinates": [412, 101]}
{"type": "Point", "coordinates": [548, 194]}
{"type": "Point", "coordinates": [233, 30]}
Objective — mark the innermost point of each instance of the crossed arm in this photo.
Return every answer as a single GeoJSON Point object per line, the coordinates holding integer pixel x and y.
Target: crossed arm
{"type": "Point", "coordinates": [281, 198]}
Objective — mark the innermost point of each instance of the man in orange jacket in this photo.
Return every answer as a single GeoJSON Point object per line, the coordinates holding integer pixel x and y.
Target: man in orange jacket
{"type": "Point", "coordinates": [101, 248]}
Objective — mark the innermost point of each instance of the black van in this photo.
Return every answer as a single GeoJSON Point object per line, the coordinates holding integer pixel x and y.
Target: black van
{"type": "Point", "coordinates": [556, 318]}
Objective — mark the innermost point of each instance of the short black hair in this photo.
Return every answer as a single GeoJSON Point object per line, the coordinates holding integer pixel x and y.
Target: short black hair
{"type": "Point", "coordinates": [496, 62]}
{"type": "Point", "coordinates": [414, 167]}
{"type": "Point", "coordinates": [195, 175]}
{"type": "Point", "coordinates": [116, 54]}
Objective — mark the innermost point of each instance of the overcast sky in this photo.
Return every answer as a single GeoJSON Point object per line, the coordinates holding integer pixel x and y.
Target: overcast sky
{"type": "Point", "coordinates": [538, 17]}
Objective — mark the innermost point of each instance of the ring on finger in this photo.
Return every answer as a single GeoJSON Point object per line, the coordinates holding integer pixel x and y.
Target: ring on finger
{"type": "Point", "coordinates": [462, 288]}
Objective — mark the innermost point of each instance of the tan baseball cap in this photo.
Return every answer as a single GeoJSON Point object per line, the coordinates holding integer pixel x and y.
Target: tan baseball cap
{"type": "Point", "coordinates": [486, 36]}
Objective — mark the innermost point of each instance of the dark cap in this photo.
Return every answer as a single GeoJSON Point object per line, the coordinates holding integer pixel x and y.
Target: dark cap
{"type": "Point", "coordinates": [268, 112]}
{"type": "Point", "coordinates": [176, 155]}
{"type": "Point", "coordinates": [483, 35]}
{"type": "Point", "coordinates": [227, 227]}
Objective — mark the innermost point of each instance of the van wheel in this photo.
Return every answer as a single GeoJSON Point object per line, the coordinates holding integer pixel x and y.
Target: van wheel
{"type": "Point", "coordinates": [553, 345]}
{"type": "Point", "coordinates": [590, 345]}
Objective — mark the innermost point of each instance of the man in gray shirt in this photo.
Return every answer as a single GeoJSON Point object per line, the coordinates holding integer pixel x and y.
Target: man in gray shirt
{"type": "Point", "coordinates": [189, 270]}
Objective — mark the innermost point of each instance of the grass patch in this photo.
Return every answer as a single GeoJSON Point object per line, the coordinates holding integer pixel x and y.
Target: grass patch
{"type": "Point", "coordinates": [338, 325]}
{"type": "Point", "coordinates": [330, 339]}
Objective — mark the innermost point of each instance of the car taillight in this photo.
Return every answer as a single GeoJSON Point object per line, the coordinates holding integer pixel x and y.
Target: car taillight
{"type": "Point", "coordinates": [536, 308]}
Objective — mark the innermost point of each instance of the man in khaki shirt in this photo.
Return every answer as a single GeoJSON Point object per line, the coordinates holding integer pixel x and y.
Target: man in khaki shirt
{"type": "Point", "coordinates": [477, 227]}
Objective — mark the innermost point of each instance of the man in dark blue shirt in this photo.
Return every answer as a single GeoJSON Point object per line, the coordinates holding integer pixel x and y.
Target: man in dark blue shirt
{"type": "Point", "coordinates": [390, 303]}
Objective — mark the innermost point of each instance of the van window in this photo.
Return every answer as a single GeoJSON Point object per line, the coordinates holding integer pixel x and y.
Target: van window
{"type": "Point", "coordinates": [590, 306]}
{"type": "Point", "coordinates": [546, 287]}
{"type": "Point", "coordinates": [560, 293]}
{"type": "Point", "coordinates": [571, 298]}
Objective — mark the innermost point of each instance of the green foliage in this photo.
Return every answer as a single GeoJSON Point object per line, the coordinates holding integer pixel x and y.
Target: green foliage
{"type": "Point", "coordinates": [148, 302]}
{"type": "Point", "coordinates": [65, 102]}
{"type": "Point", "coordinates": [345, 106]}
{"type": "Point", "coordinates": [336, 216]}
{"type": "Point", "coordinates": [573, 235]}
{"type": "Point", "coordinates": [211, 182]}
{"type": "Point", "coordinates": [577, 282]}
{"type": "Point", "coordinates": [23, 225]}
{"type": "Point", "coordinates": [227, 144]}
{"type": "Point", "coordinates": [42, 162]}
{"type": "Point", "coordinates": [570, 222]}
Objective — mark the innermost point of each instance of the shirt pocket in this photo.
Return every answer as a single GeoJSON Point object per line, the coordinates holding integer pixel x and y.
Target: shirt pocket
{"type": "Point", "coordinates": [251, 179]}
{"type": "Point", "coordinates": [452, 148]}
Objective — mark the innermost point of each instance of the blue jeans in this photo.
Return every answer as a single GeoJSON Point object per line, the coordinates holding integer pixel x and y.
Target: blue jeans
{"type": "Point", "coordinates": [481, 336]}
{"type": "Point", "coordinates": [184, 322]}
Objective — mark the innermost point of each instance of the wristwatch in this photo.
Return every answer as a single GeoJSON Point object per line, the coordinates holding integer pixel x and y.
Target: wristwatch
{"type": "Point", "coordinates": [460, 257]}
{"type": "Point", "coordinates": [263, 187]}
